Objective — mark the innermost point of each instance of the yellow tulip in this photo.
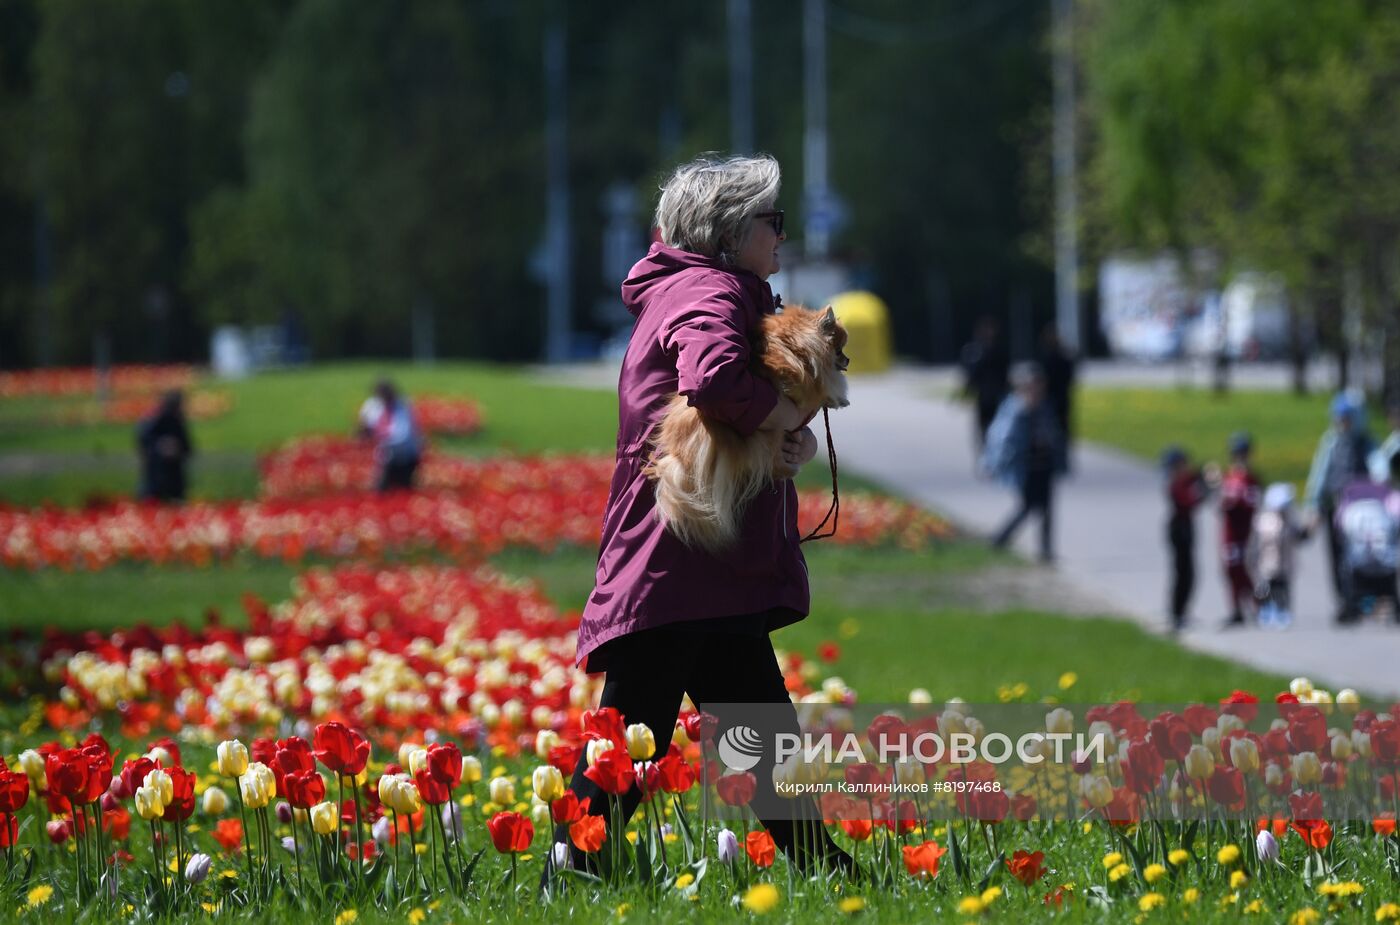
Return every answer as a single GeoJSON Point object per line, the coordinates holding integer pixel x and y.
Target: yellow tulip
{"type": "Point", "coordinates": [502, 791]}
{"type": "Point", "coordinates": [325, 819]}
{"type": "Point", "coordinates": [641, 742]}
{"type": "Point", "coordinates": [233, 758]}
{"type": "Point", "coordinates": [547, 782]}
{"type": "Point", "coordinates": [149, 805]}
{"type": "Point", "coordinates": [471, 770]}
{"type": "Point", "coordinates": [162, 784]}
{"type": "Point", "coordinates": [215, 801]}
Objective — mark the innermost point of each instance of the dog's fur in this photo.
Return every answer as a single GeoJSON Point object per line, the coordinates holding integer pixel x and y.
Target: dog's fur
{"type": "Point", "coordinates": [704, 472]}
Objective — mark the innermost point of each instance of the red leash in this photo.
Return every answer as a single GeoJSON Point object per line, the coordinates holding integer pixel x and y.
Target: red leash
{"type": "Point", "coordinates": [833, 513]}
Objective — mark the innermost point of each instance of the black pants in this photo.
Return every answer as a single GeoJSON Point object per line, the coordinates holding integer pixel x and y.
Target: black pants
{"type": "Point", "coordinates": [397, 474]}
{"type": "Point", "coordinates": [1035, 497]}
{"type": "Point", "coordinates": [649, 672]}
{"type": "Point", "coordinates": [1334, 551]}
{"type": "Point", "coordinates": [1181, 534]}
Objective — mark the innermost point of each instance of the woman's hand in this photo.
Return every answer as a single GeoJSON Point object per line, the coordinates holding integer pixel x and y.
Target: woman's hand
{"type": "Point", "coordinates": [785, 416]}
{"type": "Point", "coordinates": [797, 449]}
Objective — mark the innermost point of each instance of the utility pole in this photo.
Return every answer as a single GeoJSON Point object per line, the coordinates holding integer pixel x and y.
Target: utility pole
{"type": "Point", "coordinates": [1066, 197]}
{"type": "Point", "coordinates": [818, 216]}
{"type": "Point", "coordinates": [557, 209]}
{"type": "Point", "coordinates": [741, 76]}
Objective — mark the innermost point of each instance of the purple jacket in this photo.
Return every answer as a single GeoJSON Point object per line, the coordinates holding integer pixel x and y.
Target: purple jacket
{"type": "Point", "coordinates": [691, 336]}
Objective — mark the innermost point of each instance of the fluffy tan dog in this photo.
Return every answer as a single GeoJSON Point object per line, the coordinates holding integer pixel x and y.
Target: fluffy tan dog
{"type": "Point", "coordinates": [705, 472]}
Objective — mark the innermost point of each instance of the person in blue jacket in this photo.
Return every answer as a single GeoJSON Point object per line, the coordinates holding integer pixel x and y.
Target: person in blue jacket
{"type": "Point", "coordinates": [1026, 450]}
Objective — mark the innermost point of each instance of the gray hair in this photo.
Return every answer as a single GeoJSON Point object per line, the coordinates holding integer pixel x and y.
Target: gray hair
{"type": "Point", "coordinates": [707, 204]}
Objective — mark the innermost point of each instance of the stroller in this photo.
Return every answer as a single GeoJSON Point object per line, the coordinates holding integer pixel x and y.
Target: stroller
{"type": "Point", "coordinates": [1368, 518]}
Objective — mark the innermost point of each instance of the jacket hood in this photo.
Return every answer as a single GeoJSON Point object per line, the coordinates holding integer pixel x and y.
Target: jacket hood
{"type": "Point", "coordinates": [662, 263]}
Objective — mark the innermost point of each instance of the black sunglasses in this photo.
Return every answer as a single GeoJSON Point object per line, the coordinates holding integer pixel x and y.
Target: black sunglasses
{"type": "Point", "coordinates": [775, 218]}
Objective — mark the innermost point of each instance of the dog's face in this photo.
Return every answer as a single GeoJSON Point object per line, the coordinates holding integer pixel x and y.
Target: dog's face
{"type": "Point", "coordinates": [804, 351]}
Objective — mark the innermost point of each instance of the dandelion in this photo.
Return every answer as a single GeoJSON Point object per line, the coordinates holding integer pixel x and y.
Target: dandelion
{"type": "Point", "coordinates": [416, 916]}
{"type": "Point", "coordinates": [1112, 860]}
{"type": "Point", "coordinates": [39, 895]}
{"type": "Point", "coordinates": [1304, 917]}
{"type": "Point", "coordinates": [1150, 901]}
{"type": "Point", "coordinates": [1254, 908]}
{"type": "Point", "coordinates": [1119, 872]}
{"type": "Point", "coordinates": [1191, 895]}
{"type": "Point", "coordinates": [346, 917]}
{"type": "Point", "coordinates": [1228, 855]}
{"type": "Point", "coordinates": [971, 905]}
{"type": "Point", "coordinates": [1238, 879]}
{"type": "Point", "coordinates": [1068, 680]}
{"type": "Point", "coordinates": [1178, 856]}
{"type": "Point", "coordinates": [855, 904]}
{"type": "Point", "coordinates": [762, 898]}
{"type": "Point", "coordinates": [1390, 912]}
{"type": "Point", "coordinates": [1153, 872]}
{"type": "Point", "coordinates": [684, 880]}
{"type": "Point", "coordinates": [1345, 888]}
{"type": "Point", "coordinates": [990, 894]}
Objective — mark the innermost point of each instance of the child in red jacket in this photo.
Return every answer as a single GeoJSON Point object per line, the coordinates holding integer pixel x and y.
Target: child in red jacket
{"type": "Point", "coordinates": [1239, 500]}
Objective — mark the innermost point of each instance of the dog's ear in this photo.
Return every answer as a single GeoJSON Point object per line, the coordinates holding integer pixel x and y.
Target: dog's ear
{"type": "Point", "coordinates": [828, 322]}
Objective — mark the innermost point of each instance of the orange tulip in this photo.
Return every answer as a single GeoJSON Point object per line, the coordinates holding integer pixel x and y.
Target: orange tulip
{"type": "Point", "coordinates": [588, 833]}
{"type": "Point", "coordinates": [922, 860]}
{"type": "Point", "coordinates": [761, 848]}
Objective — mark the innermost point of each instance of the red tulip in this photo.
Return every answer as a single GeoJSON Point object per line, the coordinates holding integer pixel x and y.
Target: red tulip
{"type": "Point", "coordinates": [9, 830]}
{"type": "Point", "coordinates": [761, 848]}
{"type": "Point", "coordinates": [71, 775]}
{"type": "Point", "coordinates": [613, 771]}
{"type": "Point", "coordinates": [343, 750]}
{"type": "Point", "coordinates": [1024, 807]}
{"type": "Point", "coordinates": [229, 834]}
{"type": "Point", "coordinates": [699, 726]}
{"type": "Point", "coordinates": [736, 789]}
{"type": "Point", "coordinates": [1026, 867]}
{"type": "Point", "coordinates": [605, 723]}
{"type": "Point", "coordinates": [1307, 731]}
{"type": "Point", "coordinates": [510, 832]}
{"type": "Point", "coordinates": [1306, 806]}
{"type": "Point", "coordinates": [181, 805]}
{"type": "Point", "coordinates": [433, 791]}
{"type": "Point", "coordinates": [674, 773]}
{"type": "Point", "coordinates": [14, 791]}
{"type": "Point", "coordinates": [1171, 736]}
{"type": "Point", "coordinates": [58, 831]}
{"type": "Point", "coordinates": [1242, 704]}
{"type": "Point", "coordinates": [1226, 787]}
{"type": "Point", "coordinates": [304, 789]}
{"type": "Point", "coordinates": [566, 758]}
{"type": "Point", "coordinates": [1384, 824]}
{"type": "Point", "coordinates": [445, 764]}
{"type": "Point", "coordinates": [1385, 742]}
{"type": "Point", "coordinates": [856, 829]}
{"type": "Point", "coordinates": [569, 808]}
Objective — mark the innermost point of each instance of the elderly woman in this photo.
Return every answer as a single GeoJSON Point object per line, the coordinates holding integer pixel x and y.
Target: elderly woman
{"type": "Point", "coordinates": [665, 620]}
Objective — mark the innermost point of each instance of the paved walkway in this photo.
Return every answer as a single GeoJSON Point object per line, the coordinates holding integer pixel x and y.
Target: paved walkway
{"type": "Point", "coordinates": [1109, 533]}
{"type": "Point", "coordinates": [900, 431]}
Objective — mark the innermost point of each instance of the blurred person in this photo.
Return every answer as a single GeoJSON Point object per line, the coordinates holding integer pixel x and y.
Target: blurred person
{"type": "Point", "coordinates": [1187, 488]}
{"type": "Point", "coordinates": [398, 443]}
{"type": "Point", "coordinates": [1059, 367]}
{"type": "Point", "coordinates": [1341, 456]}
{"type": "Point", "coordinates": [1239, 500]}
{"type": "Point", "coordinates": [985, 366]}
{"type": "Point", "coordinates": [1379, 461]}
{"type": "Point", "coordinates": [163, 442]}
{"type": "Point", "coordinates": [666, 620]}
{"type": "Point", "coordinates": [1025, 449]}
{"type": "Point", "coordinates": [1368, 522]}
{"type": "Point", "coordinates": [1277, 530]}
{"type": "Point", "coordinates": [371, 410]}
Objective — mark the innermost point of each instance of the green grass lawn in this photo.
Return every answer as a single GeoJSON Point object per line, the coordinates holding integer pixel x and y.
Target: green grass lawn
{"type": "Point", "coordinates": [1285, 427]}
{"type": "Point", "coordinates": [521, 415]}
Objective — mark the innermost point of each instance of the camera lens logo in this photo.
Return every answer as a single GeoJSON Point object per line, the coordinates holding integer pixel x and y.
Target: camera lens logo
{"type": "Point", "coordinates": [740, 748]}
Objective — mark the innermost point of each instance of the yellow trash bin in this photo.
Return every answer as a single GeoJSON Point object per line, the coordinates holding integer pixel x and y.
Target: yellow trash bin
{"type": "Point", "coordinates": [867, 321]}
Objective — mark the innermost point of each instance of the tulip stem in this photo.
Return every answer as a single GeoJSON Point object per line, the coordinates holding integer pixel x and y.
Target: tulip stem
{"type": "Point", "coordinates": [394, 836]}
{"type": "Point", "coordinates": [432, 829]}
{"type": "Point", "coordinates": [359, 833]}
{"type": "Point", "coordinates": [243, 815]}
{"type": "Point", "coordinates": [296, 849]}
